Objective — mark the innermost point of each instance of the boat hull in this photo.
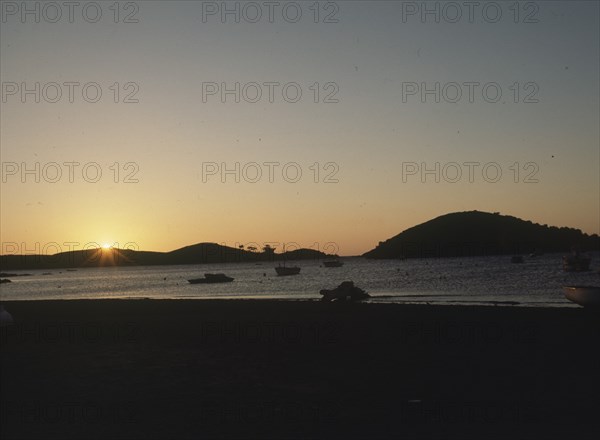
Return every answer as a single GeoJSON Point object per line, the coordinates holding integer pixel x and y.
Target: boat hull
{"type": "Point", "coordinates": [210, 278]}
{"type": "Point", "coordinates": [286, 271]}
{"type": "Point", "coordinates": [587, 296]}
{"type": "Point", "coordinates": [206, 281]}
{"type": "Point", "coordinates": [576, 263]}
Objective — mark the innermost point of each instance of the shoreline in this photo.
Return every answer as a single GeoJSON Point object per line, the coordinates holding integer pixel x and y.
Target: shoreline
{"type": "Point", "coordinates": [537, 283]}
{"type": "Point", "coordinates": [457, 303]}
{"type": "Point", "coordinates": [296, 369]}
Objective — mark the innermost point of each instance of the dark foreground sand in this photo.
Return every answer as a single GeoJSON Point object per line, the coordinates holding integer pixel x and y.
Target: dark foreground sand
{"type": "Point", "coordinates": [268, 369]}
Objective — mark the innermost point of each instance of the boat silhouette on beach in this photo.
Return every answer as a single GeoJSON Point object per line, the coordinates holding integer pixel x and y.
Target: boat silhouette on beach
{"type": "Point", "coordinates": [346, 291]}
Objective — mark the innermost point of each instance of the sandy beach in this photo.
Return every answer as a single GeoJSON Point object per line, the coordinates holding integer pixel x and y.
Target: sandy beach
{"type": "Point", "coordinates": [284, 369]}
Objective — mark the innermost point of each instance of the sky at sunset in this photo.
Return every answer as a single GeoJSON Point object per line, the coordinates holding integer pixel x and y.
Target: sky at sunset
{"type": "Point", "coordinates": [360, 133]}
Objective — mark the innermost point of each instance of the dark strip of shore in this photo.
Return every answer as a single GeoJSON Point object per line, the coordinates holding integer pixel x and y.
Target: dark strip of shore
{"type": "Point", "coordinates": [165, 369]}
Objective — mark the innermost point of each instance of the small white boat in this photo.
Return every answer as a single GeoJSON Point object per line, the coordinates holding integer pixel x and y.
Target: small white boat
{"type": "Point", "coordinates": [5, 317]}
{"type": "Point", "coordinates": [583, 295]}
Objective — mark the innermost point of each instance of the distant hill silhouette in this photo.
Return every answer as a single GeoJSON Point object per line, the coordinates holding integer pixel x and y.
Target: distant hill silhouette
{"type": "Point", "coordinates": [201, 253]}
{"type": "Point", "coordinates": [477, 233]}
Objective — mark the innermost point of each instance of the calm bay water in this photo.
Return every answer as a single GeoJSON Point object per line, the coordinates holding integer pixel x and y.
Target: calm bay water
{"type": "Point", "coordinates": [536, 282]}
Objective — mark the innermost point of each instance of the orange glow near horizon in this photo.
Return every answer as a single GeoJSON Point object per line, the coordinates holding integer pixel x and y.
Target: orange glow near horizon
{"type": "Point", "coordinates": [110, 256]}
{"type": "Point", "coordinates": [129, 171]}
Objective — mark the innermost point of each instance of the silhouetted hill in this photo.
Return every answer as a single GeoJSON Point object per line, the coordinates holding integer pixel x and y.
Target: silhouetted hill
{"type": "Point", "coordinates": [215, 253]}
{"type": "Point", "coordinates": [200, 253]}
{"type": "Point", "coordinates": [208, 253]}
{"type": "Point", "coordinates": [481, 233]}
{"type": "Point", "coordinates": [80, 258]}
{"type": "Point", "coordinates": [305, 254]}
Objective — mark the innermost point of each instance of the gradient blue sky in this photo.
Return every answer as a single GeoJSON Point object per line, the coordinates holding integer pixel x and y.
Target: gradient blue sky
{"type": "Point", "coordinates": [369, 133]}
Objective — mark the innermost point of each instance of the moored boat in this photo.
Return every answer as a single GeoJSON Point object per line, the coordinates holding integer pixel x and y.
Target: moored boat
{"type": "Point", "coordinates": [333, 263]}
{"type": "Point", "coordinates": [583, 295]}
{"type": "Point", "coordinates": [576, 262]}
{"type": "Point", "coordinates": [211, 278]}
{"type": "Point", "coordinates": [284, 270]}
